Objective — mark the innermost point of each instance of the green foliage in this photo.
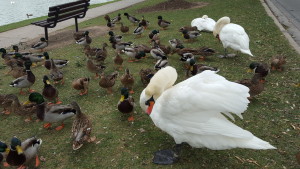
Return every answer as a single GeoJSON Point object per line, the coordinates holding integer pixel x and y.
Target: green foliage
{"type": "Point", "coordinates": [272, 116]}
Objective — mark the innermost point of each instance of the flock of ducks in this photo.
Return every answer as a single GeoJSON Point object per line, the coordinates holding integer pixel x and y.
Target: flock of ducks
{"type": "Point", "coordinates": [202, 125]}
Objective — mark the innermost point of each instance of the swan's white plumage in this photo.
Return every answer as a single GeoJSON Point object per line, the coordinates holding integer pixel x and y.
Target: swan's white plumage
{"type": "Point", "coordinates": [204, 24]}
{"type": "Point", "coordinates": [232, 35]}
{"type": "Point", "coordinates": [191, 110]}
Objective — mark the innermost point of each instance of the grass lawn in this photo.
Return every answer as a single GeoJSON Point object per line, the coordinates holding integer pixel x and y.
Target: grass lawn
{"type": "Point", "coordinates": [272, 116]}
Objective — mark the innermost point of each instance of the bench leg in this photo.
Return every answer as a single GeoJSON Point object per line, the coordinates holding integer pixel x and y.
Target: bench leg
{"type": "Point", "coordinates": [46, 33]}
{"type": "Point", "coordinates": [76, 24]}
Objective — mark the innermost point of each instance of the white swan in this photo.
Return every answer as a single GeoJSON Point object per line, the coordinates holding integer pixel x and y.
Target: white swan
{"type": "Point", "coordinates": [204, 24]}
{"type": "Point", "coordinates": [232, 35]}
{"type": "Point", "coordinates": [191, 111]}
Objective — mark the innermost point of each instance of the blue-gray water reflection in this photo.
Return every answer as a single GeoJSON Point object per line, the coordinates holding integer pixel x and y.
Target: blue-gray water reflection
{"type": "Point", "coordinates": [16, 10]}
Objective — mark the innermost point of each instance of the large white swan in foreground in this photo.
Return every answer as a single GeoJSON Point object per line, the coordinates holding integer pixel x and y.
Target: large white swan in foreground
{"type": "Point", "coordinates": [204, 24]}
{"type": "Point", "coordinates": [190, 112]}
{"type": "Point", "coordinates": [231, 35]}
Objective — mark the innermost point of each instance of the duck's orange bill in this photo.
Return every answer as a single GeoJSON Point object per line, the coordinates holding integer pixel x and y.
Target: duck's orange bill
{"type": "Point", "coordinates": [150, 107]}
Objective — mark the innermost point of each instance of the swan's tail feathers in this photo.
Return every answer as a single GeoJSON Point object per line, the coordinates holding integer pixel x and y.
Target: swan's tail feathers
{"type": "Point", "coordinates": [248, 52]}
{"type": "Point", "coordinates": [257, 143]}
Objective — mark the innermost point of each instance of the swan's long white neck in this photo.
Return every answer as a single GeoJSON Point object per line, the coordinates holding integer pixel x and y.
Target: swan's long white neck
{"type": "Point", "coordinates": [220, 24]}
{"type": "Point", "coordinates": [161, 81]}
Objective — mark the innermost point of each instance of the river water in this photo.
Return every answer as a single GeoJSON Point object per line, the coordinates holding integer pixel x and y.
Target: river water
{"type": "Point", "coordinates": [16, 10]}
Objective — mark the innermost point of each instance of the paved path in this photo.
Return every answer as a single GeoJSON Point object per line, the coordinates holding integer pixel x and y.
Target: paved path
{"type": "Point", "coordinates": [26, 33]}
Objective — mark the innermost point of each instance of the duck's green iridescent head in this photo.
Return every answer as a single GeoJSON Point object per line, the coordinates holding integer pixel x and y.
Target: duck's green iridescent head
{"type": "Point", "coordinates": [185, 31]}
{"type": "Point", "coordinates": [46, 55]}
{"type": "Point", "coordinates": [15, 47]}
{"type": "Point", "coordinates": [2, 50]}
{"type": "Point", "coordinates": [111, 33]}
{"type": "Point", "coordinates": [36, 98]}
{"type": "Point", "coordinates": [16, 145]}
{"type": "Point", "coordinates": [3, 147]}
{"type": "Point", "coordinates": [253, 65]}
{"type": "Point", "coordinates": [18, 55]}
{"type": "Point", "coordinates": [124, 93]}
{"type": "Point", "coordinates": [86, 33]}
{"type": "Point", "coordinates": [140, 55]}
{"type": "Point", "coordinates": [27, 64]}
{"type": "Point", "coordinates": [155, 31]}
{"type": "Point", "coordinates": [192, 62]}
{"type": "Point", "coordinates": [159, 17]}
{"type": "Point", "coordinates": [43, 39]}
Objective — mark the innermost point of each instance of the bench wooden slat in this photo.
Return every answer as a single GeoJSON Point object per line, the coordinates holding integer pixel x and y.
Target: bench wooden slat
{"type": "Point", "coordinates": [65, 10]}
{"type": "Point", "coordinates": [53, 8]}
{"type": "Point", "coordinates": [67, 15]}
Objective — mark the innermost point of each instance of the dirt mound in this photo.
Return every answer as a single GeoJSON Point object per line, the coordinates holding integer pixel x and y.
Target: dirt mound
{"type": "Point", "coordinates": [173, 5]}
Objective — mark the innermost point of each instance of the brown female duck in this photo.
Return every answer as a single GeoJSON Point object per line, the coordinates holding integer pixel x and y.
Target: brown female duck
{"type": "Point", "coordinates": [108, 81]}
{"type": "Point", "coordinates": [50, 92]}
{"type": "Point", "coordinates": [94, 68]}
{"type": "Point", "coordinates": [56, 74]}
{"type": "Point", "coordinates": [81, 84]}
{"type": "Point", "coordinates": [255, 84]}
{"type": "Point", "coordinates": [127, 80]}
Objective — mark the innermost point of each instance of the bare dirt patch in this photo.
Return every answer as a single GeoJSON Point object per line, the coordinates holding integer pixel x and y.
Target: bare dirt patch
{"type": "Point", "coordinates": [173, 5]}
{"type": "Point", "coordinates": [64, 37]}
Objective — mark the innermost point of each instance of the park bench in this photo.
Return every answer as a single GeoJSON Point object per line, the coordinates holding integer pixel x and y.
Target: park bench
{"type": "Point", "coordinates": [64, 12]}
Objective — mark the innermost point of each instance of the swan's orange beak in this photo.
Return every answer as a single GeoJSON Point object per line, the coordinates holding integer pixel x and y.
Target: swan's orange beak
{"type": "Point", "coordinates": [150, 107]}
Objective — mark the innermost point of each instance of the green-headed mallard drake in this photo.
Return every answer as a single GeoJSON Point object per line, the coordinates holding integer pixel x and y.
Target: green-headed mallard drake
{"type": "Point", "coordinates": [255, 84]}
{"type": "Point", "coordinates": [134, 54]}
{"type": "Point", "coordinates": [34, 58]}
{"type": "Point", "coordinates": [78, 35]}
{"type": "Point", "coordinates": [3, 150]}
{"type": "Point", "coordinates": [108, 81]}
{"type": "Point", "coordinates": [116, 19]}
{"type": "Point", "coordinates": [94, 68]}
{"type": "Point", "coordinates": [22, 153]}
{"type": "Point", "coordinates": [50, 113]}
{"type": "Point", "coordinates": [41, 45]}
{"type": "Point", "coordinates": [144, 22]}
{"type": "Point", "coordinates": [59, 63]}
{"type": "Point", "coordinates": [123, 28]}
{"type": "Point", "coordinates": [81, 128]}
{"type": "Point", "coordinates": [9, 103]}
{"type": "Point", "coordinates": [157, 53]}
{"type": "Point", "coordinates": [114, 38]}
{"type": "Point", "coordinates": [24, 81]}
{"type": "Point", "coordinates": [127, 80]}
{"type": "Point", "coordinates": [161, 63]}
{"type": "Point", "coordinates": [146, 75]}
{"type": "Point", "coordinates": [111, 25]}
{"type": "Point", "coordinates": [194, 68]}
{"type": "Point", "coordinates": [56, 74]}
{"type": "Point", "coordinates": [126, 104]}
{"type": "Point", "coordinates": [119, 46]}
{"type": "Point", "coordinates": [277, 63]}
{"type": "Point", "coordinates": [132, 19]}
{"type": "Point", "coordinates": [81, 84]}
{"type": "Point", "coordinates": [50, 92]}
{"type": "Point", "coordinates": [118, 60]}
{"type": "Point", "coordinates": [261, 68]}
{"type": "Point", "coordinates": [175, 43]}
{"type": "Point", "coordinates": [188, 28]}
{"type": "Point", "coordinates": [154, 36]}
{"type": "Point", "coordinates": [190, 35]}
{"type": "Point", "coordinates": [138, 30]}
{"type": "Point", "coordinates": [163, 23]}
{"type": "Point", "coordinates": [202, 52]}
{"type": "Point", "coordinates": [86, 40]}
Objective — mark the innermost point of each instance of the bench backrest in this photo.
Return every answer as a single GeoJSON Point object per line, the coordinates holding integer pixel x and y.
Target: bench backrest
{"type": "Point", "coordinates": [68, 10]}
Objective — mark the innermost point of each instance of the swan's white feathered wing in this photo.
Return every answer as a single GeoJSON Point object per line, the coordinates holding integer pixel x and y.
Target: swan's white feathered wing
{"type": "Point", "coordinates": [235, 37]}
{"type": "Point", "coordinates": [191, 112]}
{"type": "Point", "coordinates": [204, 24]}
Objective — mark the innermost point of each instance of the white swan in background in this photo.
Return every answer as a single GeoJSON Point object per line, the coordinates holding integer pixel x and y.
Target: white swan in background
{"type": "Point", "coordinates": [192, 112]}
{"type": "Point", "coordinates": [232, 35]}
{"type": "Point", "coordinates": [204, 24]}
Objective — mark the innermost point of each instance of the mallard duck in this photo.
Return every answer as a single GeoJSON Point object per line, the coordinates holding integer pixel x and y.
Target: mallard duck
{"type": "Point", "coordinates": [3, 150]}
{"type": "Point", "coordinates": [116, 19]}
{"type": "Point", "coordinates": [107, 18]}
{"type": "Point", "coordinates": [41, 45]}
{"type": "Point", "coordinates": [11, 61]}
{"type": "Point", "coordinates": [139, 30]}
{"type": "Point", "coordinates": [132, 19]}
{"type": "Point", "coordinates": [118, 60]}
{"type": "Point", "coordinates": [231, 35]}
{"type": "Point", "coordinates": [81, 84]}
{"type": "Point", "coordinates": [161, 63]}
{"type": "Point", "coordinates": [166, 49]}
{"type": "Point", "coordinates": [119, 46]}
{"type": "Point", "coordinates": [56, 74]}
{"type": "Point", "coordinates": [101, 54]}
{"type": "Point", "coordinates": [78, 35]}
{"type": "Point", "coordinates": [86, 40]}
{"type": "Point", "coordinates": [108, 81]}
{"type": "Point", "coordinates": [188, 112]}
{"type": "Point", "coordinates": [126, 104]}
{"type": "Point", "coordinates": [154, 35]}
{"type": "Point", "coordinates": [89, 52]}
{"type": "Point", "coordinates": [22, 153]}
{"type": "Point", "coordinates": [163, 23]}
{"type": "Point", "coordinates": [261, 68]}
{"type": "Point", "coordinates": [34, 58]}
{"type": "Point", "coordinates": [94, 68]}
{"type": "Point", "coordinates": [17, 71]}
{"type": "Point", "coordinates": [146, 75]}
{"type": "Point", "coordinates": [134, 54]}
{"type": "Point", "coordinates": [188, 28]}
{"type": "Point", "coordinates": [114, 38]}
{"type": "Point", "coordinates": [186, 56]}
{"type": "Point", "coordinates": [176, 43]}
{"type": "Point", "coordinates": [110, 24]}
{"type": "Point", "coordinates": [144, 22]}
{"type": "Point", "coordinates": [50, 113]}
{"type": "Point", "coordinates": [255, 84]}
{"type": "Point", "coordinates": [81, 128]}
{"type": "Point", "coordinates": [50, 92]}
{"type": "Point", "coordinates": [157, 53]}
{"type": "Point", "coordinates": [127, 80]}
{"type": "Point", "coordinates": [124, 29]}
{"type": "Point", "coordinates": [143, 48]}
{"type": "Point", "coordinates": [190, 35]}
{"type": "Point", "coordinates": [194, 68]}
{"type": "Point", "coordinates": [24, 81]}
{"type": "Point", "coordinates": [203, 52]}
{"type": "Point", "coordinates": [277, 63]}
{"type": "Point", "coordinates": [9, 103]}
{"type": "Point", "coordinates": [204, 24]}
{"type": "Point", "coordinates": [59, 63]}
